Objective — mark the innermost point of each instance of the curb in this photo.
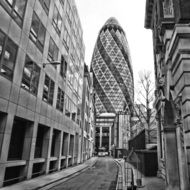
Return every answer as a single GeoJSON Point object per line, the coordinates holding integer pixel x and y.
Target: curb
{"type": "Point", "coordinates": [68, 177]}
{"type": "Point", "coordinates": [51, 180]}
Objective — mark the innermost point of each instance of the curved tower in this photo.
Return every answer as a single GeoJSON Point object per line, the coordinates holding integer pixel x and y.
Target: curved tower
{"type": "Point", "coordinates": [112, 70]}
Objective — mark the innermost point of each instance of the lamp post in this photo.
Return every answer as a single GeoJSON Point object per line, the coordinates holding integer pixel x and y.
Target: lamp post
{"type": "Point", "coordinates": [54, 63]}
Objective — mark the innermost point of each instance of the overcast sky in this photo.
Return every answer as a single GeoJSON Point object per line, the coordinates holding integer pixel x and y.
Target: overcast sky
{"type": "Point", "coordinates": [130, 14]}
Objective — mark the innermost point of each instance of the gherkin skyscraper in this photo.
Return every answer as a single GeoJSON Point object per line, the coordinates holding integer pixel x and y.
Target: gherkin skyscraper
{"type": "Point", "coordinates": [112, 70]}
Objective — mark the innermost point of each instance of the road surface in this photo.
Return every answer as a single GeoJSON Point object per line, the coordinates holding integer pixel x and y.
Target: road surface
{"type": "Point", "coordinates": [102, 176]}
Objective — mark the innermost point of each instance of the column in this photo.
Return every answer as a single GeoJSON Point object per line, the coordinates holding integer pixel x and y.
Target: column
{"type": "Point", "coordinates": [110, 140]}
{"type": "Point", "coordinates": [173, 181]}
{"type": "Point", "coordinates": [60, 150]}
{"type": "Point", "coordinates": [100, 137]}
{"type": "Point", "coordinates": [183, 167]}
{"type": "Point", "coordinates": [30, 148]}
{"type": "Point", "coordinates": [49, 142]}
{"type": "Point", "coordinates": [5, 130]}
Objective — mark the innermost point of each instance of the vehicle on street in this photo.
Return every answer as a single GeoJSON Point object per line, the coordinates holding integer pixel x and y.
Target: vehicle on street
{"type": "Point", "coordinates": [102, 152]}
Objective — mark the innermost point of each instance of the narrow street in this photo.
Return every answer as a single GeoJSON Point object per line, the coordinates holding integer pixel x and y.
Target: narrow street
{"type": "Point", "coordinates": [102, 175]}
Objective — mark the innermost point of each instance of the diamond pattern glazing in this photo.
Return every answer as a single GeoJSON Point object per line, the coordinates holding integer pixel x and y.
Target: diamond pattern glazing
{"type": "Point", "coordinates": [112, 71]}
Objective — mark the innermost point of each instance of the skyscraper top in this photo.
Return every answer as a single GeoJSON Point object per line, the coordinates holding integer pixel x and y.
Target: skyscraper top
{"type": "Point", "coordinates": [112, 23]}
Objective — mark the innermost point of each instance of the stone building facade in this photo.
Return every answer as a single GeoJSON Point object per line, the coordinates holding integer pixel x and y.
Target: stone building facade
{"type": "Point", "coordinates": [169, 21]}
{"type": "Point", "coordinates": [40, 107]}
{"type": "Point", "coordinates": [87, 116]}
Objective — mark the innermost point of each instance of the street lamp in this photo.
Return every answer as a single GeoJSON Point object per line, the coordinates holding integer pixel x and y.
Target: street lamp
{"type": "Point", "coordinates": [54, 63]}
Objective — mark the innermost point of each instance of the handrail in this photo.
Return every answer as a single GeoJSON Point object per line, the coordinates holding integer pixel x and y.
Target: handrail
{"type": "Point", "coordinates": [119, 165]}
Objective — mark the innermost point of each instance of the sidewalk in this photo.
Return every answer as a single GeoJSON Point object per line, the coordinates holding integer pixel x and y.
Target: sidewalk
{"type": "Point", "coordinates": [152, 183]}
{"type": "Point", "coordinates": [148, 183]}
{"type": "Point", "coordinates": [49, 180]}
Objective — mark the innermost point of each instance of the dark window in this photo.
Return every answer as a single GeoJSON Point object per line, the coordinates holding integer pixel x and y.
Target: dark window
{"type": "Point", "coordinates": [68, 107]}
{"type": "Point", "coordinates": [37, 32]}
{"type": "Point", "coordinates": [31, 75]}
{"type": "Point", "coordinates": [78, 116]}
{"type": "Point", "coordinates": [53, 51]}
{"type": "Point", "coordinates": [60, 100]}
{"type": "Point", "coordinates": [48, 90]}
{"type": "Point", "coordinates": [63, 69]}
{"type": "Point", "coordinates": [17, 140]}
{"type": "Point", "coordinates": [16, 9]}
{"type": "Point", "coordinates": [8, 53]}
{"type": "Point", "coordinates": [45, 4]}
{"type": "Point", "coordinates": [57, 20]}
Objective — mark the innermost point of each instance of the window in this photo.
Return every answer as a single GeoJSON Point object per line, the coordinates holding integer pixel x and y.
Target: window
{"type": "Point", "coordinates": [60, 100]}
{"type": "Point", "coordinates": [57, 20]}
{"type": "Point", "coordinates": [69, 13]}
{"type": "Point", "coordinates": [68, 107]}
{"type": "Point", "coordinates": [31, 75]}
{"type": "Point", "coordinates": [70, 76]}
{"type": "Point", "coordinates": [45, 4]}
{"type": "Point", "coordinates": [66, 39]}
{"type": "Point", "coordinates": [8, 53]}
{"type": "Point", "coordinates": [62, 3]}
{"type": "Point", "coordinates": [74, 112]}
{"type": "Point", "coordinates": [48, 90]}
{"type": "Point", "coordinates": [63, 69]}
{"type": "Point", "coordinates": [15, 8]}
{"type": "Point", "coordinates": [37, 32]}
{"type": "Point", "coordinates": [53, 51]}
{"type": "Point", "coordinates": [78, 116]}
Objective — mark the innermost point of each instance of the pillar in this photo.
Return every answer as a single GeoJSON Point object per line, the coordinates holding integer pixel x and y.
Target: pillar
{"type": "Point", "coordinates": [110, 140]}
{"type": "Point", "coordinates": [100, 137]}
{"type": "Point", "coordinates": [5, 130]}
{"type": "Point", "coordinates": [173, 181]}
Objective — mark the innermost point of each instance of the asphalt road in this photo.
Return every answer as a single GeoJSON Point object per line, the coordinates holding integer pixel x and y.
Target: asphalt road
{"type": "Point", "coordinates": [102, 176]}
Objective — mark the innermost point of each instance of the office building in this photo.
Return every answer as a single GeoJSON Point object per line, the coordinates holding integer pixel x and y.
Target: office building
{"type": "Point", "coordinates": [112, 78]}
{"type": "Point", "coordinates": [40, 102]}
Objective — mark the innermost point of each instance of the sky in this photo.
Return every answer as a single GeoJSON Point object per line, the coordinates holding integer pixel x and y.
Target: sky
{"type": "Point", "coordinates": [130, 14]}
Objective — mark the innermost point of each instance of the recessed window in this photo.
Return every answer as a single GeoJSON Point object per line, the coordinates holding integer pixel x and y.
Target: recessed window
{"type": "Point", "coordinates": [31, 75]}
{"type": "Point", "coordinates": [45, 4]}
{"type": "Point", "coordinates": [48, 90]}
{"type": "Point", "coordinates": [8, 53]}
{"type": "Point", "coordinates": [57, 20]}
{"type": "Point", "coordinates": [60, 100]}
{"type": "Point", "coordinates": [37, 32]}
{"type": "Point", "coordinates": [63, 69]}
{"type": "Point", "coordinates": [68, 107]}
{"type": "Point", "coordinates": [66, 39]}
{"type": "Point", "coordinates": [53, 51]}
{"type": "Point", "coordinates": [16, 9]}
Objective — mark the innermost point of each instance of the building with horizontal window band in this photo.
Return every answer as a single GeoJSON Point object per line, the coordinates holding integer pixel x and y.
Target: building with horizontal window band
{"type": "Point", "coordinates": [40, 107]}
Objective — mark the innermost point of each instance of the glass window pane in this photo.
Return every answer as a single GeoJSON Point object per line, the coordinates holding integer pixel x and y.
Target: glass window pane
{"type": "Point", "coordinates": [2, 39]}
{"type": "Point", "coordinates": [27, 73]}
{"type": "Point", "coordinates": [47, 4]}
{"type": "Point", "coordinates": [41, 35]}
{"type": "Point", "coordinates": [9, 58]}
{"type": "Point", "coordinates": [10, 2]}
{"type": "Point", "coordinates": [55, 15]}
{"type": "Point", "coordinates": [20, 7]}
{"type": "Point", "coordinates": [59, 22]}
{"type": "Point", "coordinates": [35, 27]}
